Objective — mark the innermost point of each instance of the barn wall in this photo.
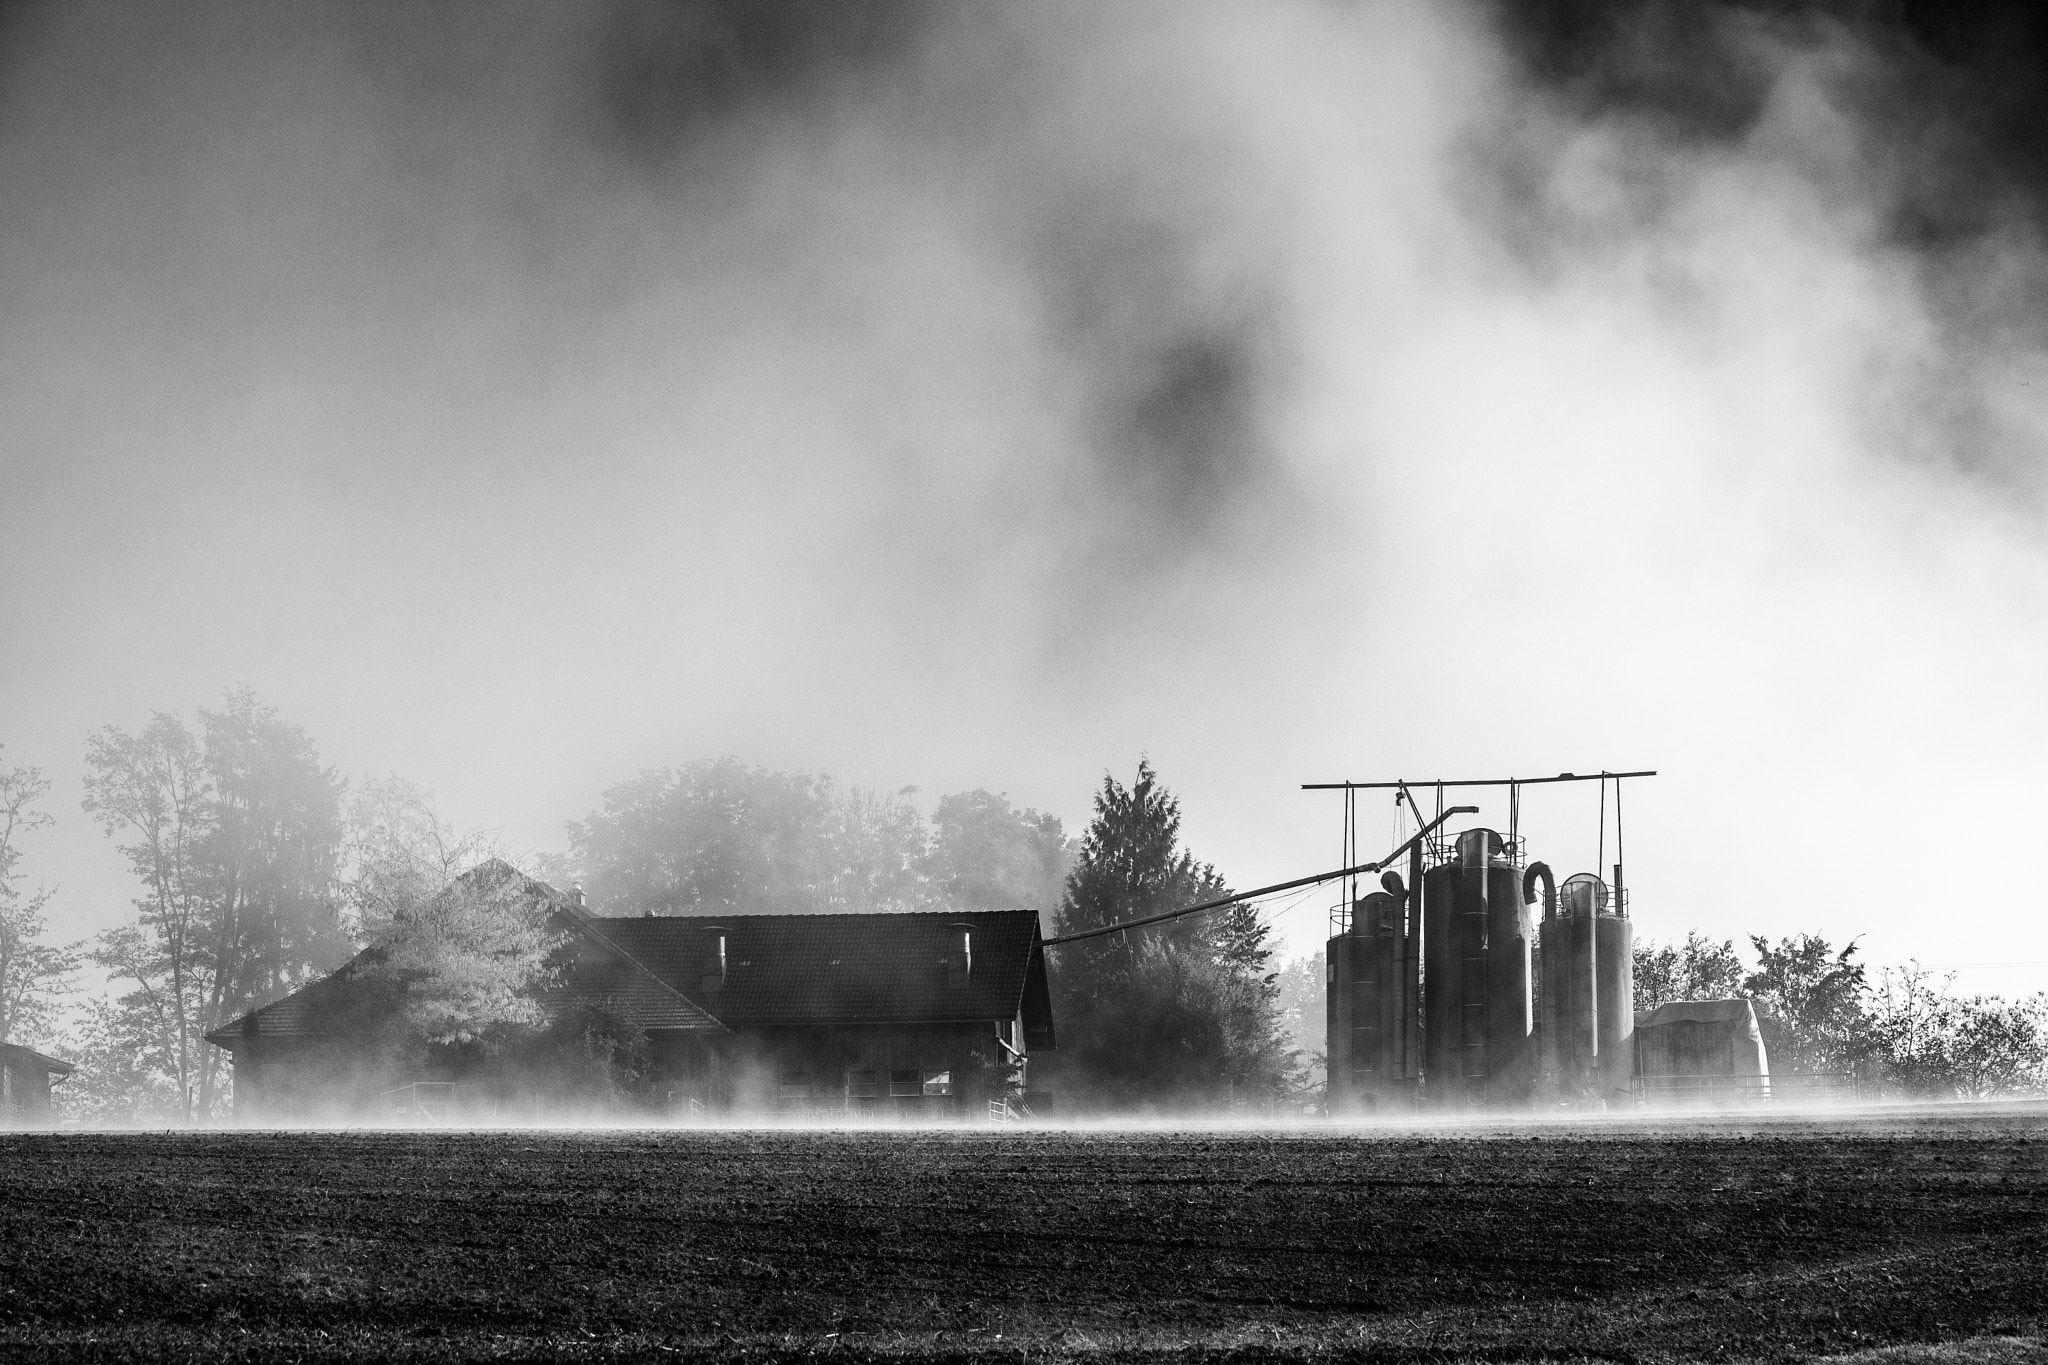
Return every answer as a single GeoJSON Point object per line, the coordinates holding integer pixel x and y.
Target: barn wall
{"type": "Point", "coordinates": [884, 1071]}
{"type": "Point", "coordinates": [1690, 1047]}
{"type": "Point", "coordinates": [285, 1082]}
{"type": "Point", "coordinates": [24, 1094]}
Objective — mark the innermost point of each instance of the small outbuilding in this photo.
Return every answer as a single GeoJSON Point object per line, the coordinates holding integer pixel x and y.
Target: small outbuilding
{"type": "Point", "coordinates": [1701, 1049]}
{"type": "Point", "coordinates": [25, 1080]}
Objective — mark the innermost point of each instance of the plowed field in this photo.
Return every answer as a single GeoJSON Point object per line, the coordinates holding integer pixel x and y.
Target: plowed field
{"type": "Point", "coordinates": [1775, 1239]}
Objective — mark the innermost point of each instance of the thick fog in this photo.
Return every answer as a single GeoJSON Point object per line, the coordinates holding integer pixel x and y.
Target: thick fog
{"type": "Point", "coordinates": [982, 395]}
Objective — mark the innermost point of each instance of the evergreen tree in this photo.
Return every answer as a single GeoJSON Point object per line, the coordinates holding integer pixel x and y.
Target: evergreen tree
{"type": "Point", "coordinates": [1174, 1016]}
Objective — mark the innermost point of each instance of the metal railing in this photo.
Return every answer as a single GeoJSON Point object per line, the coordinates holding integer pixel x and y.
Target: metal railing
{"type": "Point", "coordinates": [421, 1102]}
{"type": "Point", "coordinates": [1789, 1088]}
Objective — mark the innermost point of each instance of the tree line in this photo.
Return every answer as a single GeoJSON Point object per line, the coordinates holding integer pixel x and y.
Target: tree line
{"type": "Point", "coordinates": [1905, 1034]}
{"type": "Point", "coordinates": [259, 868]}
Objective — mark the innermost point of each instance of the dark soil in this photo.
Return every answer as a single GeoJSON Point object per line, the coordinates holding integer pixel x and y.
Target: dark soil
{"type": "Point", "coordinates": [1776, 1239]}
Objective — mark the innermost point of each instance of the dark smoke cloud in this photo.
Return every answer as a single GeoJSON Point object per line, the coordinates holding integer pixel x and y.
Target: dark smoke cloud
{"type": "Point", "coordinates": [1940, 138]}
{"type": "Point", "coordinates": [666, 72]}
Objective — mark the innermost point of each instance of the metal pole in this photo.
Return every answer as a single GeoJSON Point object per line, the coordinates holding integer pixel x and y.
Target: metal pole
{"type": "Point", "coordinates": [1620, 905]}
{"type": "Point", "coordinates": [1600, 856]}
{"type": "Point", "coordinates": [1474, 781]}
{"type": "Point", "coordinates": [1350, 845]}
{"type": "Point", "coordinates": [1414, 977]}
{"type": "Point", "coordinates": [1593, 932]}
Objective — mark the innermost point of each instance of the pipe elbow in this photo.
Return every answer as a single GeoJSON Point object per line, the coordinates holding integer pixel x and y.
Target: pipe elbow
{"type": "Point", "coordinates": [1540, 872]}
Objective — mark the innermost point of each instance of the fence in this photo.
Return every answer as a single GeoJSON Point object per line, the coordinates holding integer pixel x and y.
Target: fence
{"type": "Point", "coordinates": [1796, 1088]}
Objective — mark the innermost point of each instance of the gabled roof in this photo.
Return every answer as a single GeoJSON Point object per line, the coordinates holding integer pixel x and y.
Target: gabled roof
{"type": "Point", "coordinates": [297, 1015]}
{"type": "Point", "coordinates": [601, 970]}
{"type": "Point", "coordinates": [778, 970]}
{"type": "Point", "coordinates": [595, 969]}
{"type": "Point", "coordinates": [15, 1052]}
{"type": "Point", "coordinates": [849, 968]}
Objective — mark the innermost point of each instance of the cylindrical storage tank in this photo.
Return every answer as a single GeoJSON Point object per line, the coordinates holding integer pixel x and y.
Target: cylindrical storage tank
{"type": "Point", "coordinates": [1443, 1062]}
{"type": "Point", "coordinates": [1589, 972]}
{"type": "Point", "coordinates": [1365, 997]}
{"type": "Point", "coordinates": [1544, 1064]}
{"type": "Point", "coordinates": [1511, 1015]}
{"type": "Point", "coordinates": [1476, 976]}
{"type": "Point", "coordinates": [1617, 1004]}
{"type": "Point", "coordinates": [1569, 1007]}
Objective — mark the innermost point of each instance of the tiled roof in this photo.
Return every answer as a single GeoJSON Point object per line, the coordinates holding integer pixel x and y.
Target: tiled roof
{"type": "Point", "coordinates": [847, 968]}
{"type": "Point", "coordinates": [601, 970]}
{"type": "Point", "coordinates": [293, 1016]}
{"type": "Point", "coordinates": [778, 970]}
{"type": "Point", "coordinates": [596, 969]}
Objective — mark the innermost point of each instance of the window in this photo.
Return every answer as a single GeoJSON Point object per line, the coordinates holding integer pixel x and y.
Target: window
{"type": "Point", "coordinates": [903, 1083]}
{"type": "Point", "coordinates": [861, 1085]}
{"type": "Point", "coordinates": [938, 1082]}
{"type": "Point", "coordinates": [795, 1086]}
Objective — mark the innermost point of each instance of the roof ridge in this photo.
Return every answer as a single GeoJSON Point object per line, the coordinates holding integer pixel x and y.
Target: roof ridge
{"type": "Point", "coordinates": [810, 914]}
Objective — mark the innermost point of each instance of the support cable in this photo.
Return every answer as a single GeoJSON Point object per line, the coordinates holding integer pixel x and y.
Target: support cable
{"type": "Point", "coordinates": [1257, 892]}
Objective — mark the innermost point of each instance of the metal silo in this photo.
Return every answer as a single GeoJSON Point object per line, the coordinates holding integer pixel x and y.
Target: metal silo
{"type": "Point", "coordinates": [1589, 992]}
{"type": "Point", "coordinates": [1617, 943]}
{"type": "Point", "coordinates": [1370, 1004]}
{"type": "Point", "coordinates": [1476, 975]}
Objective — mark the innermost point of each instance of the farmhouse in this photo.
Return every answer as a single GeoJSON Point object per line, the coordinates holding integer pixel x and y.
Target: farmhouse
{"type": "Point", "coordinates": [25, 1079]}
{"type": "Point", "coordinates": [909, 1015]}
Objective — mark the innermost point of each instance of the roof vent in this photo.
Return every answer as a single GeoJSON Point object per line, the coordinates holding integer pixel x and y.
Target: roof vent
{"type": "Point", "coordinates": [576, 893]}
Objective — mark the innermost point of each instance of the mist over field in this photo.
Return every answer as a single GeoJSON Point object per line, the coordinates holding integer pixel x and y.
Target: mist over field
{"type": "Point", "coordinates": [979, 396]}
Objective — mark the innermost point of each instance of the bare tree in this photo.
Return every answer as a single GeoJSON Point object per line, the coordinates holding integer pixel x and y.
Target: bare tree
{"type": "Point", "coordinates": [234, 833]}
{"type": "Point", "coordinates": [32, 974]}
{"type": "Point", "coordinates": [400, 853]}
{"type": "Point", "coordinates": [152, 788]}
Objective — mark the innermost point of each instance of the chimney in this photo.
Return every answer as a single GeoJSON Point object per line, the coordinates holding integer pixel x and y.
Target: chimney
{"type": "Point", "coordinates": [714, 962]}
{"type": "Point", "coordinates": [576, 894]}
{"type": "Point", "coordinates": [960, 961]}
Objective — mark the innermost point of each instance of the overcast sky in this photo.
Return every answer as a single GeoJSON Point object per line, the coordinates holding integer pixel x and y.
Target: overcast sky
{"type": "Point", "coordinates": [982, 396]}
